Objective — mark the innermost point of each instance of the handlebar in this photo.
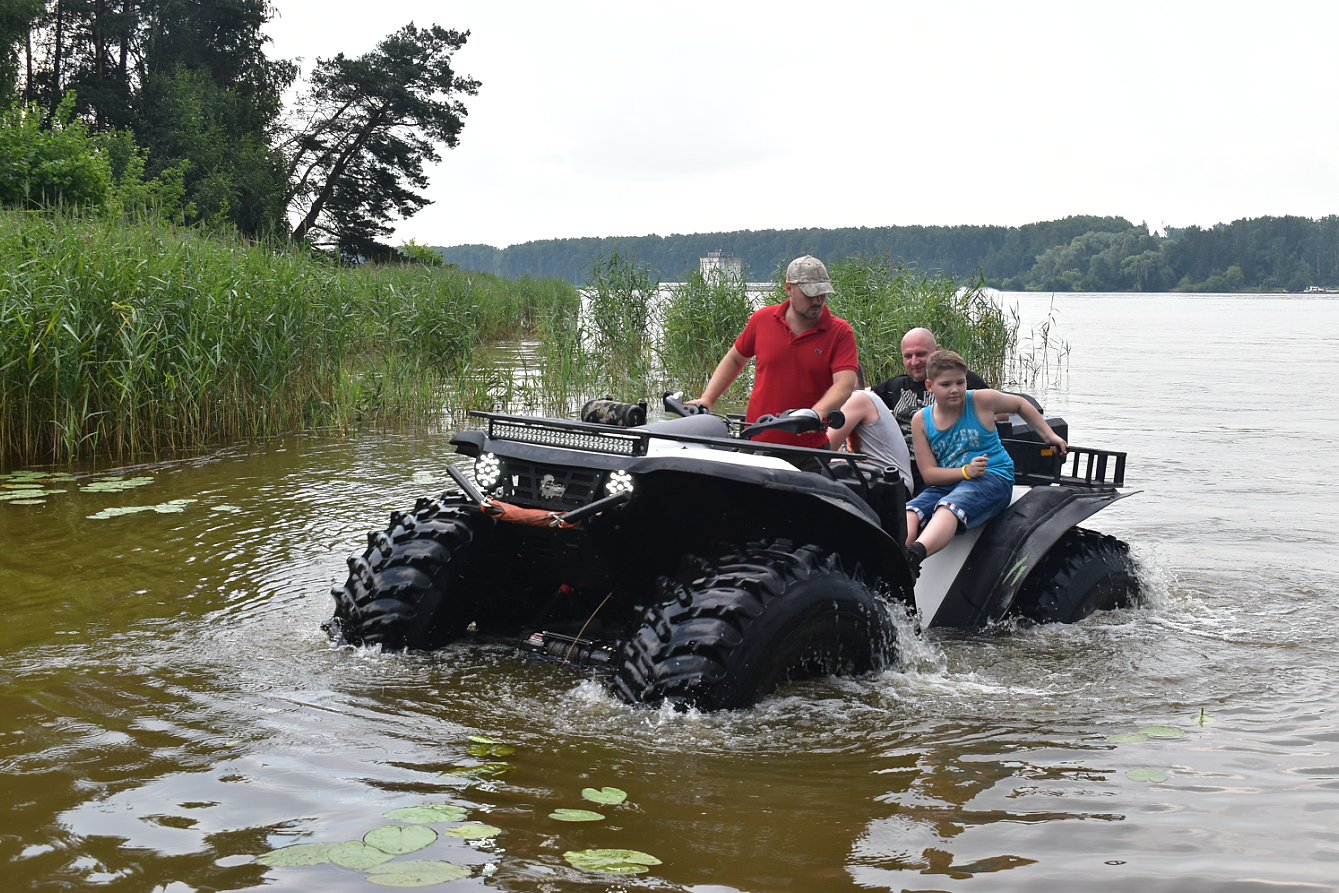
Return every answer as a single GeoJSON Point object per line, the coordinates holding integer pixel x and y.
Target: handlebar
{"type": "Point", "coordinates": [675, 403]}
{"type": "Point", "coordinates": [794, 421]}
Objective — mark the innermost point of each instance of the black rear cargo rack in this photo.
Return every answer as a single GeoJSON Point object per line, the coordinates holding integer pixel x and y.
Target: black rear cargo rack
{"type": "Point", "coordinates": [1037, 465]}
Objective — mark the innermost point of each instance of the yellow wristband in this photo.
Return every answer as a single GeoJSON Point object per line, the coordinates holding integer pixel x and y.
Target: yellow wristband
{"type": "Point", "coordinates": [965, 475]}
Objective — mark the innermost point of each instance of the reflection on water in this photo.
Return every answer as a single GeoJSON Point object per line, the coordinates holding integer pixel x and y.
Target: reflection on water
{"type": "Point", "coordinates": [171, 709]}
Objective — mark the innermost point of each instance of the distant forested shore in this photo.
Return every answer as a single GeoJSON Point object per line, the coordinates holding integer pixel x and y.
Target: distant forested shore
{"type": "Point", "coordinates": [1082, 253]}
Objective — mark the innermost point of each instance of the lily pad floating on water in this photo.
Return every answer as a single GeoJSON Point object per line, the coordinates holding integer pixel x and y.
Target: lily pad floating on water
{"type": "Point", "coordinates": [1203, 720]}
{"type": "Point", "coordinates": [173, 507]}
{"type": "Point", "coordinates": [117, 511]}
{"type": "Point", "coordinates": [1162, 732]}
{"type": "Point", "coordinates": [27, 502]}
{"type": "Point", "coordinates": [427, 814]}
{"type": "Point", "coordinates": [472, 831]}
{"type": "Point", "coordinates": [1144, 773]}
{"type": "Point", "coordinates": [356, 854]}
{"type": "Point", "coordinates": [612, 861]}
{"type": "Point", "coordinates": [29, 493]}
{"type": "Point", "coordinates": [576, 815]}
{"type": "Point", "coordinates": [1128, 738]}
{"type": "Point", "coordinates": [298, 854]}
{"type": "Point", "coordinates": [397, 840]}
{"type": "Point", "coordinates": [115, 485]}
{"type": "Point", "coordinates": [230, 509]}
{"type": "Point", "coordinates": [606, 795]}
{"type": "Point", "coordinates": [416, 874]}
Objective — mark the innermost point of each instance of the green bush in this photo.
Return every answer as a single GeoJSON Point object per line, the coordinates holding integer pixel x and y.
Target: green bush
{"type": "Point", "coordinates": [57, 165]}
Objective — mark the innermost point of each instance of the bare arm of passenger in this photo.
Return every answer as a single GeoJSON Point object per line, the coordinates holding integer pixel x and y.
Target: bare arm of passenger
{"type": "Point", "coordinates": [858, 411]}
{"type": "Point", "coordinates": [933, 475]}
{"type": "Point", "coordinates": [998, 402]}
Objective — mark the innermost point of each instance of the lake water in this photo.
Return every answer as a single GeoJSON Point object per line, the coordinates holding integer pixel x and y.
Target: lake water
{"type": "Point", "coordinates": [171, 708]}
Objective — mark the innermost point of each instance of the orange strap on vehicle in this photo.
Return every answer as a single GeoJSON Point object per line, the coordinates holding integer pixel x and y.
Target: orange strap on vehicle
{"type": "Point", "coordinates": [505, 511]}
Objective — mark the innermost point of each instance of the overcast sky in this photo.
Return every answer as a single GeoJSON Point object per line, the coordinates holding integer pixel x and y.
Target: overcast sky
{"type": "Point", "coordinates": [619, 118]}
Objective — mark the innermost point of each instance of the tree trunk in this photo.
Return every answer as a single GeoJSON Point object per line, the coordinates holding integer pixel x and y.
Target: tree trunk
{"type": "Point", "coordinates": [314, 212]}
{"type": "Point", "coordinates": [100, 70]}
{"type": "Point", "coordinates": [55, 68]}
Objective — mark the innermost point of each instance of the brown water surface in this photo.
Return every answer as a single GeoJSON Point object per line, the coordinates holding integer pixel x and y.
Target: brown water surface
{"type": "Point", "coordinates": [171, 709]}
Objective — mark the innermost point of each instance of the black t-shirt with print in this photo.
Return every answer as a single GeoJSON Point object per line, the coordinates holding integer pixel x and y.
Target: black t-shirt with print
{"type": "Point", "coordinates": [904, 396]}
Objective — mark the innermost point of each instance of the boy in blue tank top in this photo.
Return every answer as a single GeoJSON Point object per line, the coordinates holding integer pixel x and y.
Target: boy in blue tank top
{"type": "Point", "coordinates": [969, 474]}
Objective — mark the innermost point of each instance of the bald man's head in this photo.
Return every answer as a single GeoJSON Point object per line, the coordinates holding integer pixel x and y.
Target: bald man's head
{"type": "Point", "coordinates": [917, 345]}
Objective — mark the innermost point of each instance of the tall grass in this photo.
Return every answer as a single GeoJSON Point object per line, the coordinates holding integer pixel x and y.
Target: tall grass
{"type": "Point", "coordinates": [621, 298]}
{"type": "Point", "coordinates": [702, 318]}
{"type": "Point", "coordinates": [121, 338]}
{"type": "Point", "coordinates": [882, 300]}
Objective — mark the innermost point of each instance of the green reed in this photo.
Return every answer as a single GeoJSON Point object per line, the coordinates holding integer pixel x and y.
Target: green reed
{"type": "Point", "coordinates": [122, 338]}
{"type": "Point", "coordinates": [620, 299]}
{"type": "Point", "coordinates": [882, 300]}
{"type": "Point", "coordinates": [701, 320]}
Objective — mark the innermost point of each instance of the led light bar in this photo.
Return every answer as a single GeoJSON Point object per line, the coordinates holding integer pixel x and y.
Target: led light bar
{"type": "Point", "coordinates": [613, 444]}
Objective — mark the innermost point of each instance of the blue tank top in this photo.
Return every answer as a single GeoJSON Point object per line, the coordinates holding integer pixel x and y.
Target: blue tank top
{"type": "Point", "coordinates": [966, 440]}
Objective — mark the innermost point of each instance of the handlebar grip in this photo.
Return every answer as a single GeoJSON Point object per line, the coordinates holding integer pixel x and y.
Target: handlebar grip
{"type": "Point", "coordinates": [674, 403]}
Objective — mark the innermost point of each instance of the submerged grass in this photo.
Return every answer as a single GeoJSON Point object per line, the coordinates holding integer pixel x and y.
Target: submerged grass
{"type": "Point", "coordinates": [118, 338]}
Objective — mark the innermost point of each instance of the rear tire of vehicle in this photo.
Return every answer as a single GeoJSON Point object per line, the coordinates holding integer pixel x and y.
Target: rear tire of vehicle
{"type": "Point", "coordinates": [751, 621]}
{"type": "Point", "coordinates": [1084, 572]}
{"type": "Point", "coordinates": [412, 587]}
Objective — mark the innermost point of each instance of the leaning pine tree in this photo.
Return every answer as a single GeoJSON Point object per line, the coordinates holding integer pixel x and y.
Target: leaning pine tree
{"type": "Point", "coordinates": [368, 127]}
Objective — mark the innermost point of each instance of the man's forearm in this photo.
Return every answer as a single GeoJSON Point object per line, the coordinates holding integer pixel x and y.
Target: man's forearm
{"type": "Point", "coordinates": [727, 370]}
{"type": "Point", "coordinates": [843, 386]}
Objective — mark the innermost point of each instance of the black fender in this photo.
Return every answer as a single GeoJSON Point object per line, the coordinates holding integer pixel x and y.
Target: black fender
{"type": "Point", "coordinates": [1010, 546]}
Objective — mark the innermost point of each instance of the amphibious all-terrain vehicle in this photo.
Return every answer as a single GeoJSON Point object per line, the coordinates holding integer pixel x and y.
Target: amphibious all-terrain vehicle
{"type": "Point", "coordinates": [693, 564]}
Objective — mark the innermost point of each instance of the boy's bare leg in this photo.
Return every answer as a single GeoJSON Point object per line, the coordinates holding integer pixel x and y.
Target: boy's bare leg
{"type": "Point", "coordinates": [941, 529]}
{"type": "Point", "coordinates": [913, 527]}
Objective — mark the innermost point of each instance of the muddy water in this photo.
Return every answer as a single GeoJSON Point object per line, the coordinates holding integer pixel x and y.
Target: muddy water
{"type": "Point", "coordinates": [170, 708]}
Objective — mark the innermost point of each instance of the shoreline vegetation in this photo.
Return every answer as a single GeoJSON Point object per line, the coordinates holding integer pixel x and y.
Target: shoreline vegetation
{"type": "Point", "coordinates": [121, 339]}
{"type": "Point", "coordinates": [128, 339]}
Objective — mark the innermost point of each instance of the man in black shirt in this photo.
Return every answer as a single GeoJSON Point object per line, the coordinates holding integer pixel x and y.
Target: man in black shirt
{"type": "Point", "coordinates": [905, 394]}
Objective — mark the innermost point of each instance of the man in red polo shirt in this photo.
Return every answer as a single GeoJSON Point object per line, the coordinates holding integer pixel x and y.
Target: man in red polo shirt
{"type": "Point", "coordinates": [806, 356]}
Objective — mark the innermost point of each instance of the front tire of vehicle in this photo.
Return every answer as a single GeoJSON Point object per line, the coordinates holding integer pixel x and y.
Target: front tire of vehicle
{"type": "Point", "coordinates": [412, 587]}
{"type": "Point", "coordinates": [751, 621]}
{"type": "Point", "coordinates": [1084, 572]}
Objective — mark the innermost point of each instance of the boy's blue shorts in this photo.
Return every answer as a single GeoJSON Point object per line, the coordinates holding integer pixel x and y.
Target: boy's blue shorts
{"type": "Point", "coordinates": [974, 502]}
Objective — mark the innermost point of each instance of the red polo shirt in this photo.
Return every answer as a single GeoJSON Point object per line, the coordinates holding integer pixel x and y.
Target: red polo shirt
{"type": "Point", "coordinates": [794, 371]}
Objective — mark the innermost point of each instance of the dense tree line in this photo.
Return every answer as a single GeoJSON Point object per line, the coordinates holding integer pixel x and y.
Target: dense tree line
{"type": "Point", "coordinates": [952, 249]}
{"type": "Point", "coordinates": [1073, 254]}
{"type": "Point", "coordinates": [182, 91]}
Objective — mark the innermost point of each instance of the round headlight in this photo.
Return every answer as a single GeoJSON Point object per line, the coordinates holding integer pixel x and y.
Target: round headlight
{"type": "Point", "coordinates": [618, 482]}
{"type": "Point", "coordinates": [488, 471]}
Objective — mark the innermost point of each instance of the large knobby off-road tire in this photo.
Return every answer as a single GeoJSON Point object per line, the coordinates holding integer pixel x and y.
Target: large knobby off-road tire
{"type": "Point", "coordinates": [750, 621]}
{"type": "Point", "coordinates": [1084, 572]}
{"type": "Point", "coordinates": [415, 586]}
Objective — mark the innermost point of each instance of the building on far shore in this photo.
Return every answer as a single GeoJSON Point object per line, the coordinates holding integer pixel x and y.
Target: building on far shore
{"type": "Point", "coordinates": [722, 263]}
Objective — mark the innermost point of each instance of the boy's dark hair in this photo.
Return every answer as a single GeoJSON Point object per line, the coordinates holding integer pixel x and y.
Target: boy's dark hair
{"type": "Point", "coordinates": [944, 361]}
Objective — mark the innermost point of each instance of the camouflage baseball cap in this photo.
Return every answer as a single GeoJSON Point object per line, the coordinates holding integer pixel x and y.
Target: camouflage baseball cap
{"type": "Point", "coordinates": [810, 275]}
